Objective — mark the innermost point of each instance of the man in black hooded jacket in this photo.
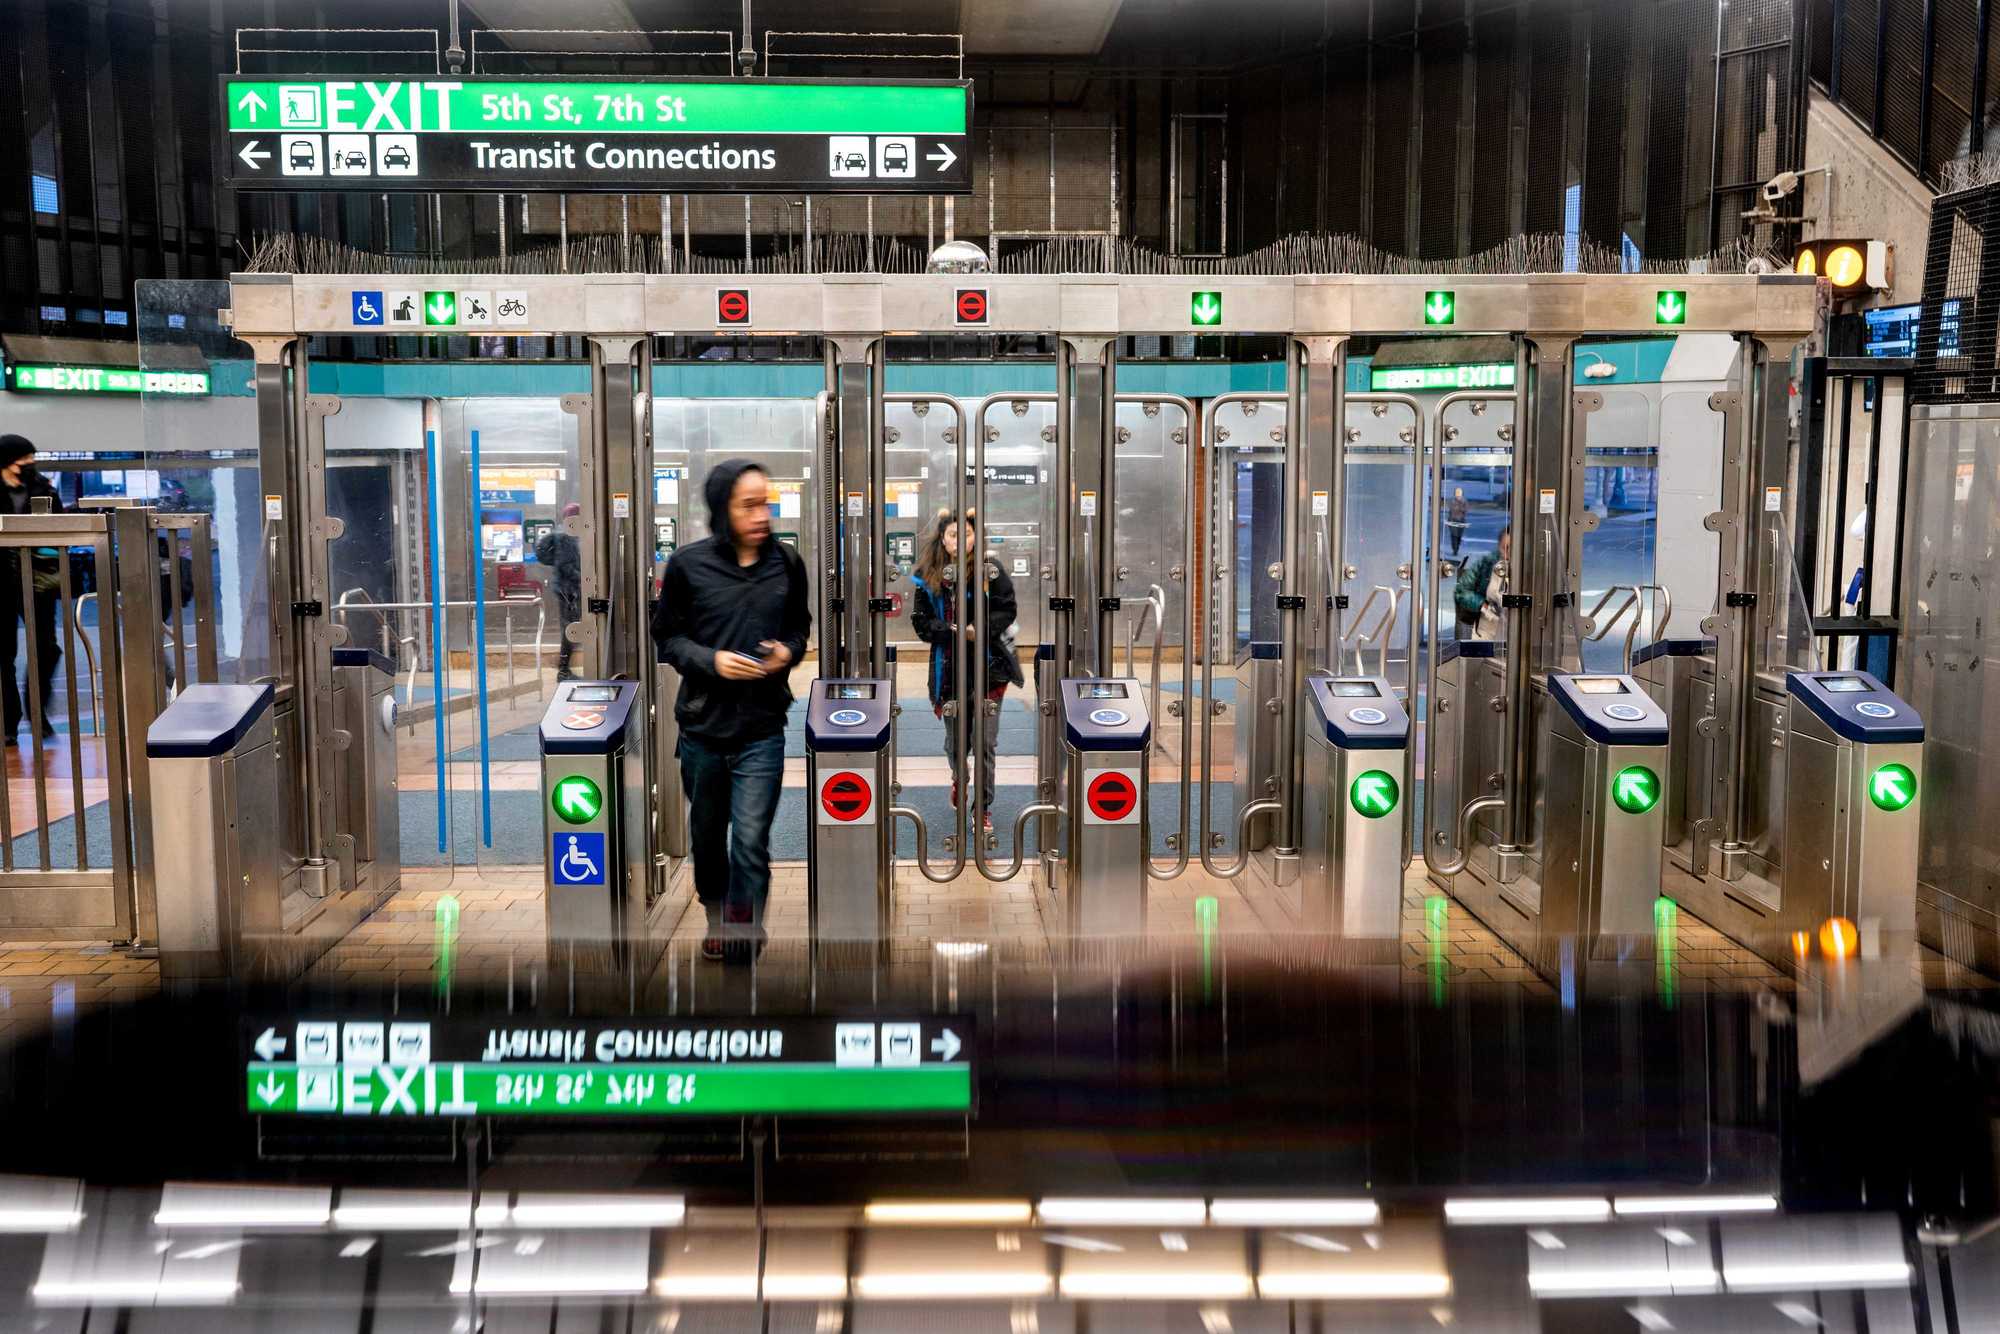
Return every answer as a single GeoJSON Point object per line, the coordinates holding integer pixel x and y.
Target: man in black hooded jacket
{"type": "Point", "coordinates": [732, 619]}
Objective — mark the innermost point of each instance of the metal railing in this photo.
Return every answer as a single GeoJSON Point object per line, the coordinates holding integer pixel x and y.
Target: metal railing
{"type": "Point", "coordinates": [1634, 605]}
{"type": "Point", "coordinates": [400, 647]}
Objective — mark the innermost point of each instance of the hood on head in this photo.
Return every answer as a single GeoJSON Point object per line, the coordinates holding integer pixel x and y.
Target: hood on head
{"type": "Point", "coordinates": [721, 481]}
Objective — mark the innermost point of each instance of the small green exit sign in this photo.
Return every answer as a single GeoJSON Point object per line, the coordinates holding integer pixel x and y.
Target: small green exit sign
{"type": "Point", "coordinates": [1440, 307]}
{"type": "Point", "coordinates": [1205, 308]}
{"type": "Point", "coordinates": [1670, 307]}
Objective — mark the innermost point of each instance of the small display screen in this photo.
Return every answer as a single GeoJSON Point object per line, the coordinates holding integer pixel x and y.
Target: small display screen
{"type": "Point", "coordinates": [1842, 685]}
{"type": "Point", "coordinates": [1101, 690]}
{"type": "Point", "coordinates": [1598, 685]}
{"type": "Point", "coordinates": [1356, 690]}
{"type": "Point", "coordinates": [592, 694]}
{"type": "Point", "coordinates": [854, 690]}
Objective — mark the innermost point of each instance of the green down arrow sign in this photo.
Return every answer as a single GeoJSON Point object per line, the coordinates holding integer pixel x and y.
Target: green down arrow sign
{"type": "Point", "coordinates": [577, 800]}
{"type": "Point", "coordinates": [1205, 308]}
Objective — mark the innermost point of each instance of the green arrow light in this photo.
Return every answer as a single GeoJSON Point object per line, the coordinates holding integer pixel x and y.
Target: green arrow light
{"type": "Point", "coordinates": [1636, 789]}
{"type": "Point", "coordinates": [440, 308]}
{"type": "Point", "coordinates": [1892, 787]}
{"type": "Point", "coordinates": [1440, 308]}
{"type": "Point", "coordinates": [1373, 794]}
{"type": "Point", "coordinates": [1205, 308]}
{"type": "Point", "coordinates": [1670, 307]}
{"type": "Point", "coordinates": [576, 800]}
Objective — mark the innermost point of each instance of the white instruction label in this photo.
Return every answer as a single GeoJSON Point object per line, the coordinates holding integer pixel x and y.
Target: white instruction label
{"type": "Point", "coordinates": [1321, 507]}
{"type": "Point", "coordinates": [857, 505]}
{"type": "Point", "coordinates": [274, 508]}
{"type": "Point", "coordinates": [621, 505]}
{"type": "Point", "coordinates": [1774, 499]}
{"type": "Point", "coordinates": [1089, 504]}
{"type": "Point", "coordinates": [1549, 501]}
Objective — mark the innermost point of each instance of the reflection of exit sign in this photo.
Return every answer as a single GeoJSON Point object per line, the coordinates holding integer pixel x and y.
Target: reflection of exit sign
{"type": "Point", "coordinates": [1205, 308]}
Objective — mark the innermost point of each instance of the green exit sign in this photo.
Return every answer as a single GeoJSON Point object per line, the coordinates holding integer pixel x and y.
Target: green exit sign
{"type": "Point", "coordinates": [1440, 307]}
{"type": "Point", "coordinates": [33, 378]}
{"type": "Point", "coordinates": [1204, 308]}
{"type": "Point", "coordinates": [1670, 307]}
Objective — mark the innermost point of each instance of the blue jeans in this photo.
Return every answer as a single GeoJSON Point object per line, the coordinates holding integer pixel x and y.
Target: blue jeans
{"type": "Point", "coordinates": [732, 796]}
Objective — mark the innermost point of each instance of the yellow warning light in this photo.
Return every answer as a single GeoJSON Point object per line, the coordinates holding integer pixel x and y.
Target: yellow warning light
{"type": "Point", "coordinates": [1838, 938]}
{"type": "Point", "coordinates": [1845, 266]}
{"type": "Point", "coordinates": [1801, 943]}
{"type": "Point", "coordinates": [1806, 263]}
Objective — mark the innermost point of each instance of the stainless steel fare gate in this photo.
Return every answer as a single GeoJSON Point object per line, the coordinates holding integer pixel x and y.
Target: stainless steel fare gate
{"type": "Point", "coordinates": [1546, 314]}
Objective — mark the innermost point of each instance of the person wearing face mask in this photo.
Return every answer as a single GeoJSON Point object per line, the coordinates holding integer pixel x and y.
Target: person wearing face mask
{"type": "Point", "coordinates": [20, 487]}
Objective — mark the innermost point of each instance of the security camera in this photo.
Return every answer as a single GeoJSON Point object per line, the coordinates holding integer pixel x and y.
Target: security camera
{"type": "Point", "coordinates": [1781, 185]}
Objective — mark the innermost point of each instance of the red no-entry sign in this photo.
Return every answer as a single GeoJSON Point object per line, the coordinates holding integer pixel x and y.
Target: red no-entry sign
{"type": "Point", "coordinates": [972, 305]}
{"type": "Point", "coordinates": [847, 797]}
{"type": "Point", "coordinates": [1111, 796]}
{"type": "Point", "coordinates": [732, 305]}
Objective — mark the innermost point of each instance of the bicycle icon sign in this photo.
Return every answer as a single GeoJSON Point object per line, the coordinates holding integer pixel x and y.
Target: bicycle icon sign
{"type": "Point", "coordinates": [513, 306]}
{"type": "Point", "coordinates": [576, 859]}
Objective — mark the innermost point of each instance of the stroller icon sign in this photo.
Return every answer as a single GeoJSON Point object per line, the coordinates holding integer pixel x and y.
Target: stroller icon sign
{"type": "Point", "coordinates": [576, 859]}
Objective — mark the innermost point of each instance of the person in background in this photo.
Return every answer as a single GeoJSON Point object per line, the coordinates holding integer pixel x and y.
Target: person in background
{"type": "Point", "coordinates": [559, 552]}
{"type": "Point", "coordinates": [732, 618]}
{"type": "Point", "coordinates": [942, 617]}
{"type": "Point", "coordinates": [20, 487]}
{"type": "Point", "coordinates": [1455, 518]}
{"type": "Point", "coordinates": [1482, 583]}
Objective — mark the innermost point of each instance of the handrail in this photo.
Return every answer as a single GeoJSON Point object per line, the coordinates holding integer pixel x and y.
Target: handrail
{"type": "Point", "coordinates": [479, 661]}
{"type": "Point", "coordinates": [1634, 602]}
{"type": "Point", "coordinates": [1476, 804]}
{"type": "Point", "coordinates": [1361, 636]}
{"type": "Point", "coordinates": [1185, 574]}
{"type": "Point", "coordinates": [90, 659]}
{"type": "Point", "coordinates": [1463, 852]}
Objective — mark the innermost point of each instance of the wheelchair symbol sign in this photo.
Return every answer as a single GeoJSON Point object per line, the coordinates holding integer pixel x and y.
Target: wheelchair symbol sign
{"type": "Point", "coordinates": [368, 308]}
{"type": "Point", "coordinates": [576, 859]}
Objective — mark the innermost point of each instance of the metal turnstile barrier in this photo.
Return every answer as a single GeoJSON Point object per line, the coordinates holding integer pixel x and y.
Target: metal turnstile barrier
{"type": "Point", "coordinates": [1854, 772]}
{"type": "Point", "coordinates": [849, 865]}
{"type": "Point", "coordinates": [594, 813]}
{"type": "Point", "coordinates": [364, 707]}
{"type": "Point", "coordinates": [1351, 844]}
{"type": "Point", "coordinates": [1107, 742]}
{"type": "Point", "coordinates": [217, 793]}
{"type": "Point", "coordinates": [1604, 770]}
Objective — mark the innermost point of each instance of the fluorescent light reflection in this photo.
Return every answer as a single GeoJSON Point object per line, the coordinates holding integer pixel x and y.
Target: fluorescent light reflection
{"type": "Point", "coordinates": [1153, 1284]}
{"type": "Point", "coordinates": [1352, 1286]}
{"type": "Point", "coordinates": [1838, 1274]}
{"type": "Point", "coordinates": [40, 1204]}
{"type": "Point", "coordinates": [408, 1210]}
{"type": "Point", "coordinates": [592, 1211]}
{"type": "Point", "coordinates": [163, 1292]}
{"type": "Point", "coordinates": [1554, 1210]}
{"type": "Point", "coordinates": [992, 1213]}
{"type": "Point", "coordinates": [1694, 1204]}
{"type": "Point", "coordinates": [1115, 1212]}
{"type": "Point", "coordinates": [187, 1205]}
{"type": "Point", "coordinates": [1295, 1213]}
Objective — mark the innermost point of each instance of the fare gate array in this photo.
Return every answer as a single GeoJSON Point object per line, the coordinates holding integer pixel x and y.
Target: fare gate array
{"type": "Point", "coordinates": [1326, 602]}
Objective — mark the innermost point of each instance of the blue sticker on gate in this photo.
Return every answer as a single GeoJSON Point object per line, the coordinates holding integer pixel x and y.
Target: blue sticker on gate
{"type": "Point", "coordinates": [367, 308]}
{"type": "Point", "coordinates": [577, 859]}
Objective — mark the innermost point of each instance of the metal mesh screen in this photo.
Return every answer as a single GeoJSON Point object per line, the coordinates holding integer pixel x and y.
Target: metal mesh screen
{"type": "Point", "coordinates": [1957, 24]}
{"type": "Point", "coordinates": [1492, 128]}
{"type": "Point", "coordinates": [1604, 128]}
{"type": "Point", "coordinates": [1548, 116]}
{"type": "Point", "coordinates": [1819, 41]}
{"type": "Point", "coordinates": [1437, 165]}
{"type": "Point", "coordinates": [1347, 113]}
{"type": "Point", "coordinates": [1903, 77]}
{"type": "Point", "coordinates": [1956, 337]}
{"type": "Point", "coordinates": [1389, 224]}
{"type": "Point", "coordinates": [1857, 58]}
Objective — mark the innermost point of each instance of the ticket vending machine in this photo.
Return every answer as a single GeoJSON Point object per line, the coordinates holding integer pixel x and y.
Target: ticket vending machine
{"type": "Point", "coordinates": [849, 869]}
{"type": "Point", "coordinates": [1854, 769]}
{"type": "Point", "coordinates": [593, 824]}
{"type": "Point", "coordinates": [1351, 843]}
{"type": "Point", "coordinates": [1107, 740]}
{"type": "Point", "coordinates": [1605, 770]}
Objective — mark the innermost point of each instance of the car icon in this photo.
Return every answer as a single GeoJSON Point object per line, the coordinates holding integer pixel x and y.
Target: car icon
{"type": "Point", "coordinates": [850, 162]}
{"type": "Point", "coordinates": [355, 160]}
{"type": "Point", "coordinates": [895, 157]}
{"type": "Point", "coordinates": [395, 155]}
{"type": "Point", "coordinates": [301, 154]}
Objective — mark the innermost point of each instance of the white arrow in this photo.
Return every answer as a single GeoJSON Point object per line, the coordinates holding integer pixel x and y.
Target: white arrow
{"type": "Point", "coordinates": [251, 102]}
{"type": "Point", "coordinates": [946, 1046]}
{"type": "Point", "coordinates": [942, 155]}
{"type": "Point", "coordinates": [254, 155]}
{"type": "Point", "coordinates": [270, 1089]}
{"type": "Point", "coordinates": [268, 1045]}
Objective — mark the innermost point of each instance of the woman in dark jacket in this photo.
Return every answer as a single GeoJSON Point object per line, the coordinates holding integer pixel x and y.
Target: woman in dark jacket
{"type": "Point", "coordinates": [942, 616]}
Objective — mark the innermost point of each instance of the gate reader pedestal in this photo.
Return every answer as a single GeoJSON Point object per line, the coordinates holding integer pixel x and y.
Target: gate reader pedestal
{"type": "Point", "coordinates": [849, 869]}
{"type": "Point", "coordinates": [1108, 738]}
{"type": "Point", "coordinates": [1351, 850]}
{"type": "Point", "coordinates": [593, 824]}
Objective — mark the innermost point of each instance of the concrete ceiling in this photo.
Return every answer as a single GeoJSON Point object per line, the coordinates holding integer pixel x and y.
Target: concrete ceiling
{"type": "Point", "coordinates": [1036, 27]}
